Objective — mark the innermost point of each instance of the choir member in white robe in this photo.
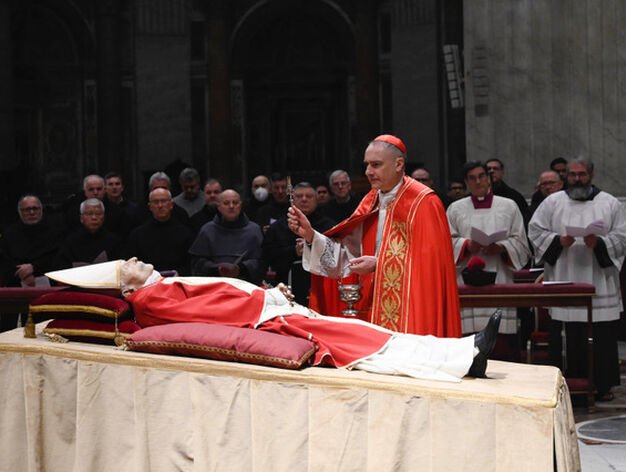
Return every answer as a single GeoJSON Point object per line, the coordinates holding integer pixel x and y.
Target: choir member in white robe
{"type": "Point", "coordinates": [594, 259]}
{"type": "Point", "coordinates": [488, 213]}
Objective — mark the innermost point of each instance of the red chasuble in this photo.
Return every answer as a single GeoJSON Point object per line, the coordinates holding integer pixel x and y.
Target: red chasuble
{"type": "Point", "coordinates": [413, 289]}
{"type": "Point", "coordinates": [339, 344]}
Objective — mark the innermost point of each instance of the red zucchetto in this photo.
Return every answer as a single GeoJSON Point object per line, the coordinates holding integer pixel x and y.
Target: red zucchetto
{"type": "Point", "coordinates": [393, 140]}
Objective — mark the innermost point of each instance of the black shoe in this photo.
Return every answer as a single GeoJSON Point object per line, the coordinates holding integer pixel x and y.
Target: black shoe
{"type": "Point", "coordinates": [485, 341]}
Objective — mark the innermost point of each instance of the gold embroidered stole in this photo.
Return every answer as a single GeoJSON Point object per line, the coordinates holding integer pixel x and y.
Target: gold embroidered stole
{"type": "Point", "coordinates": [392, 281]}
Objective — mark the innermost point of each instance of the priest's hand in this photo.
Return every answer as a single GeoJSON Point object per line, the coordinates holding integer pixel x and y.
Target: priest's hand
{"type": "Point", "coordinates": [226, 269]}
{"type": "Point", "coordinates": [591, 240]}
{"type": "Point", "coordinates": [299, 224]}
{"type": "Point", "coordinates": [363, 265]}
{"type": "Point", "coordinates": [299, 246]}
{"type": "Point", "coordinates": [474, 247]}
{"type": "Point", "coordinates": [493, 249]}
{"type": "Point", "coordinates": [566, 241]}
{"type": "Point", "coordinates": [29, 281]}
{"type": "Point", "coordinates": [24, 271]}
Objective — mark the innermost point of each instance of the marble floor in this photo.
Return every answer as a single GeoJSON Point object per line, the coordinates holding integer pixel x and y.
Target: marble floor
{"type": "Point", "coordinates": [602, 434]}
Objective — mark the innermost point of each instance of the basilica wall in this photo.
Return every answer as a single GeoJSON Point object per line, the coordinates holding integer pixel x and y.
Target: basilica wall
{"type": "Point", "coordinates": [546, 78]}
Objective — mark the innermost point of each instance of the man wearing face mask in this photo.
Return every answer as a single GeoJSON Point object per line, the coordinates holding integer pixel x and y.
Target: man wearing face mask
{"type": "Point", "coordinates": [277, 203]}
{"type": "Point", "coordinates": [259, 192]}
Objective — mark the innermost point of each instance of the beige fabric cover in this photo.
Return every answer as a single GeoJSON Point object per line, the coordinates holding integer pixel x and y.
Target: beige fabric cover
{"type": "Point", "coordinates": [78, 407]}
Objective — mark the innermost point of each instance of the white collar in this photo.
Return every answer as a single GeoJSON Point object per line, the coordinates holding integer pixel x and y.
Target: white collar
{"type": "Point", "coordinates": [386, 198]}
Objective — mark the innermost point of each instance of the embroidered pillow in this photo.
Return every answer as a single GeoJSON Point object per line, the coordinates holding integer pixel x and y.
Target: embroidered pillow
{"type": "Point", "coordinates": [80, 305]}
{"type": "Point", "coordinates": [224, 343]}
{"type": "Point", "coordinates": [91, 331]}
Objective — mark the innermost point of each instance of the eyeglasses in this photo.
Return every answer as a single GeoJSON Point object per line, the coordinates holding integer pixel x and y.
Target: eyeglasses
{"type": "Point", "coordinates": [159, 202]}
{"type": "Point", "coordinates": [34, 209]}
{"type": "Point", "coordinates": [548, 183]}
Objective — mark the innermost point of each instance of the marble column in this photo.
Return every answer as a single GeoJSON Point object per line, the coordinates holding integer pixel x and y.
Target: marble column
{"type": "Point", "coordinates": [220, 129]}
{"type": "Point", "coordinates": [366, 77]}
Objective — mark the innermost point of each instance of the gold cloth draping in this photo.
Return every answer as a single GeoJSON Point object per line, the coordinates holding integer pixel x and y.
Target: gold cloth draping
{"type": "Point", "coordinates": [79, 407]}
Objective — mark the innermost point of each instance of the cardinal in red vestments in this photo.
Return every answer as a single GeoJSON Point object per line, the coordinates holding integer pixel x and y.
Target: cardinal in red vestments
{"type": "Point", "coordinates": [396, 245]}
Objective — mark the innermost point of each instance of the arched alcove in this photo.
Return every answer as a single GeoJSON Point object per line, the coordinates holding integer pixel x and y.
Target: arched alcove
{"type": "Point", "coordinates": [51, 41]}
{"type": "Point", "coordinates": [293, 65]}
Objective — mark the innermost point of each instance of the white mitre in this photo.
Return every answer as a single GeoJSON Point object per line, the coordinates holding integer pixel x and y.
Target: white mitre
{"type": "Point", "coordinates": [103, 275]}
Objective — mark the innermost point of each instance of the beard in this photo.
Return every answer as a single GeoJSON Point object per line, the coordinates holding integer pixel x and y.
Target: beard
{"type": "Point", "coordinates": [579, 191]}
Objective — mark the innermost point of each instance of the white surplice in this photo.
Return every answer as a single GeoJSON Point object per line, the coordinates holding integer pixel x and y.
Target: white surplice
{"type": "Point", "coordinates": [503, 215]}
{"type": "Point", "coordinates": [578, 263]}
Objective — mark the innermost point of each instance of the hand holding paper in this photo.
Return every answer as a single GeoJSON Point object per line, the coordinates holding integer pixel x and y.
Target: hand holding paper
{"type": "Point", "coordinates": [485, 239]}
{"type": "Point", "coordinates": [596, 227]}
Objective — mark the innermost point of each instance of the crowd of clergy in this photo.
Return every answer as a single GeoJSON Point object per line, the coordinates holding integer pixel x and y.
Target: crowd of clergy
{"type": "Point", "coordinates": [211, 231]}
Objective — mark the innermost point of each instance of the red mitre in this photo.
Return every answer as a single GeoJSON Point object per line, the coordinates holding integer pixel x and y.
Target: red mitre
{"type": "Point", "coordinates": [393, 140]}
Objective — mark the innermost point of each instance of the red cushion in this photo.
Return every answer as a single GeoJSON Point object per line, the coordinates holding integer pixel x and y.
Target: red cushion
{"type": "Point", "coordinates": [68, 304]}
{"type": "Point", "coordinates": [224, 343]}
{"type": "Point", "coordinates": [92, 331]}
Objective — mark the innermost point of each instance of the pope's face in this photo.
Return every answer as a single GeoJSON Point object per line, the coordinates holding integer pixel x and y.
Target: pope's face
{"type": "Point", "coordinates": [134, 273]}
{"type": "Point", "coordinates": [384, 166]}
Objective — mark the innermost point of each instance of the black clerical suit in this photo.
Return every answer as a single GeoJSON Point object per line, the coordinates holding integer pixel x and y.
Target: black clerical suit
{"type": "Point", "coordinates": [162, 244]}
{"type": "Point", "coordinates": [82, 247]}
{"type": "Point", "coordinates": [279, 251]}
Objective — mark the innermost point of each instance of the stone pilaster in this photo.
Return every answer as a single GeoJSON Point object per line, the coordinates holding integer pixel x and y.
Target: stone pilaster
{"type": "Point", "coordinates": [220, 129]}
{"type": "Point", "coordinates": [108, 86]}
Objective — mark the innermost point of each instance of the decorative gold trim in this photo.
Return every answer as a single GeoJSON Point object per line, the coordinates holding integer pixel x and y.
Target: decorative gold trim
{"type": "Point", "coordinates": [392, 283]}
{"type": "Point", "coordinates": [75, 309]}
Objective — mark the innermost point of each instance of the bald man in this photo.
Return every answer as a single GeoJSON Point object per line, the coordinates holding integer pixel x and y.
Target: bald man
{"type": "Point", "coordinates": [230, 244]}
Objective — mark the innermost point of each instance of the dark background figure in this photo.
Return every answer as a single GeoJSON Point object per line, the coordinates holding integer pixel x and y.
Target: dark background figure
{"type": "Point", "coordinates": [277, 205]}
{"type": "Point", "coordinates": [548, 183]}
{"type": "Point", "coordinates": [122, 214]}
{"type": "Point", "coordinates": [163, 240]}
{"type": "Point", "coordinates": [259, 193]}
{"type": "Point", "coordinates": [559, 165]}
{"type": "Point", "coordinates": [422, 175]}
{"type": "Point", "coordinates": [343, 202]}
{"type": "Point", "coordinates": [28, 250]}
{"type": "Point", "coordinates": [191, 198]}
{"type": "Point", "coordinates": [456, 190]}
{"type": "Point", "coordinates": [282, 250]}
{"type": "Point", "coordinates": [323, 195]}
{"type": "Point", "coordinates": [92, 242]}
{"type": "Point", "coordinates": [161, 180]}
{"type": "Point", "coordinates": [211, 191]}
{"type": "Point", "coordinates": [230, 245]}
{"type": "Point", "coordinates": [495, 169]}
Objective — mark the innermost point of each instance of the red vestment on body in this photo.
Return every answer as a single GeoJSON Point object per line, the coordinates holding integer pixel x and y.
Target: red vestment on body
{"type": "Point", "coordinates": [414, 288]}
{"type": "Point", "coordinates": [218, 302]}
